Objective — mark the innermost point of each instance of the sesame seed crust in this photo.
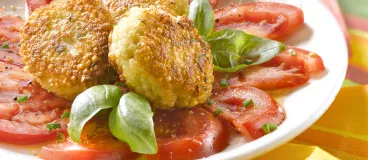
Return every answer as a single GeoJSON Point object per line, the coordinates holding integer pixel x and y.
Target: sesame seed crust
{"type": "Point", "coordinates": [64, 45]}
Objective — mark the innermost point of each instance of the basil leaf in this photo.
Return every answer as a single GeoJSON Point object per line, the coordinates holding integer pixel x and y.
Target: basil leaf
{"type": "Point", "coordinates": [233, 50]}
{"type": "Point", "coordinates": [132, 123]}
{"type": "Point", "coordinates": [88, 103]}
{"type": "Point", "coordinates": [201, 13]}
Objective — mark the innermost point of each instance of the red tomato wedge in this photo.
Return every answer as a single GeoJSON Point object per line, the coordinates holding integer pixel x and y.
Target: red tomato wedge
{"type": "Point", "coordinates": [96, 143]}
{"type": "Point", "coordinates": [188, 134]}
{"type": "Point", "coordinates": [34, 4]}
{"type": "Point", "coordinates": [283, 71]}
{"type": "Point", "coordinates": [25, 122]}
{"type": "Point", "coordinates": [264, 19]}
{"type": "Point", "coordinates": [247, 120]}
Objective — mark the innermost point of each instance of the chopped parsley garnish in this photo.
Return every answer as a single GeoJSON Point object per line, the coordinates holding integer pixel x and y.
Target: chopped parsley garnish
{"type": "Point", "coordinates": [247, 103]}
{"type": "Point", "coordinates": [22, 99]}
{"type": "Point", "coordinates": [53, 126]}
{"type": "Point", "coordinates": [65, 115]}
{"type": "Point", "coordinates": [60, 137]}
{"type": "Point", "coordinates": [292, 52]}
{"type": "Point", "coordinates": [120, 84]}
{"type": "Point", "coordinates": [248, 61]}
{"type": "Point", "coordinates": [224, 83]}
{"type": "Point", "coordinates": [269, 127]}
{"type": "Point", "coordinates": [210, 102]}
{"type": "Point", "coordinates": [311, 54]}
{"type": "Point", "coordinates": [5, 46]}
{"type": "Point", "coordinates": [70, 17]}
{"type": "Point", "coordinates": [217, 112]}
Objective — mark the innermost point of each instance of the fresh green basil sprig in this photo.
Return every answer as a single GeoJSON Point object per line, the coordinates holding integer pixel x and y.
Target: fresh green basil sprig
{"type": "Point", "coordinates": [132, 122]}
{"type": "Point", "coordinates": [201, 13]}
{"type": "Point", "coordinates": [232, 50]}
{"type": "Point", "coordinates": [88, 104]}
{"type": "Point", "coordinates": [131, 118]}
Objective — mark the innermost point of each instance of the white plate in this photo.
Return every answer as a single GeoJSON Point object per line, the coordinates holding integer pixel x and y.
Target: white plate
{"type": "Point", "coordinates": [303, 107]}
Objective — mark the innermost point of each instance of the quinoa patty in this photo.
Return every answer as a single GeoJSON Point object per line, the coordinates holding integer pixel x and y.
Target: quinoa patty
{"type": "Point", "coordinates": [65, 46]}
{"type": "Point", "coordinates": [162, 57]}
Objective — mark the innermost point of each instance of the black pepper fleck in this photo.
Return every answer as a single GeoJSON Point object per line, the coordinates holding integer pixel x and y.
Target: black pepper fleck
{"type": "Point", "coordinates": [180, 24]}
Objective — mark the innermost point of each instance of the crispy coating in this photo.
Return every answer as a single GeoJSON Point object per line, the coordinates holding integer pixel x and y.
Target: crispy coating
{"type": "Point", "coordinates": [175, 7]}
{"type": "Point", "coordinates": [162, 57]}
{"type": "Point", "coordinates": [65, 46]}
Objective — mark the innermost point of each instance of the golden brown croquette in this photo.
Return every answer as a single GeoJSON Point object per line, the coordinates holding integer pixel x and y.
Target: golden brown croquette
{"type": "Point", "coordinates": [162, 57]}
{"type": "Point", "coordinates": [65, 46]}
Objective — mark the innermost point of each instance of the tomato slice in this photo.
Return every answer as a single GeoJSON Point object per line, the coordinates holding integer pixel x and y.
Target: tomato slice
{"type": "Point", "coordinates": [267, 78]}
{"type": "Point", "coordinates": [310, 62]}
{"type": "Point", "coordinates": [34, 4]}
{"type": "Point", "coordinates": [10, 57]}
{"type": "Point", "coordinates": [9, 35]}
{"type": "Point", "coordinates": [96, 142]}
{"type": "Point", "coordinates": [25, 123]}
{"type": "Point", "coordinates": [12, 22]}
{"type": "Point", "coordinates": [283, 71]}
{"type": "Point", "coordinates": [188, 134]}
{"type": "Point", "coordinates": [264, 19]}
{"type": "Point", "coordinates": [247, 120]}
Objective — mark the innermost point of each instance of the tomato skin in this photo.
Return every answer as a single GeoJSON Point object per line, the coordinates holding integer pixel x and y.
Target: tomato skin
{"type": "Point", "coordinates": [265, 19]}
{"type": "Point", "coordinates": [96, 143]}
{"type": "Point", "coordinates": [248, 121]}
{"type": "Point", "coordinates": [191, 134]}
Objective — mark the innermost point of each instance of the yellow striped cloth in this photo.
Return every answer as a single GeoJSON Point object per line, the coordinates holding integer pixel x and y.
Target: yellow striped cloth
{"type": "Point", "coordinates": [342, 132]}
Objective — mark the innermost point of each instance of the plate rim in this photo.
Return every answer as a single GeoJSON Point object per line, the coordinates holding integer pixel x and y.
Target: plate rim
{"type": "Point", "coordinates": [276, 142]}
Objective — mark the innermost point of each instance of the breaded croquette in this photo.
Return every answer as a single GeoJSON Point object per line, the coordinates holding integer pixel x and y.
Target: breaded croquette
{"type": "Point", "coordinates": [175, 7]}
{"type": "Point", "coordinates": [65, 46]}
{"type": "Point", "coordinates": [162, 57]}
